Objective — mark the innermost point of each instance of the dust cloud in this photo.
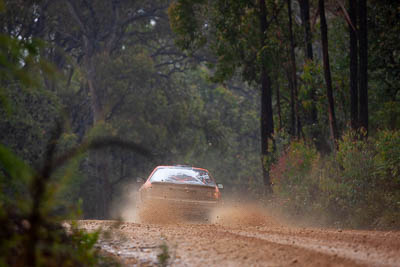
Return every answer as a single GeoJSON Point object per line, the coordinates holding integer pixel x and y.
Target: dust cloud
{"type": "Point", "coordinates": [125, 206]}
{"type": "Point", "coordinates": [229, 212]}
{"type": "Point", "coordinates": [249, 213]}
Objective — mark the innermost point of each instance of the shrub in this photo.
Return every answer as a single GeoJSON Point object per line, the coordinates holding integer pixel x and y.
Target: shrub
{"type": "Point", "coordinates": [31, 232]}
{"type": "Point", "coordinates": [290, 176]}
{"type": "Point", "coordinates": [358, 186]}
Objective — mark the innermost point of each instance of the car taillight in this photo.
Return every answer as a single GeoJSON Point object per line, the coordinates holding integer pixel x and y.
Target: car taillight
{"type": "Point", "coordinates": [147, 185]}
{"type": "Point", "coordinates": [217, 194]}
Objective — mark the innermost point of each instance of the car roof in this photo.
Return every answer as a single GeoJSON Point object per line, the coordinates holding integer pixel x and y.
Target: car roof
{"type": "Point", "coordinates": [180, 167]}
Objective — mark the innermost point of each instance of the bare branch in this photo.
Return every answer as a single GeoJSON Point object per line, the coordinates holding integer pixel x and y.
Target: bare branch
{"type": "Point", "coordinates": [346, 15]}
{"type": "Point", "coordinates": [145, 14]}
{"type": "Point", "coordinates": [75, 14]}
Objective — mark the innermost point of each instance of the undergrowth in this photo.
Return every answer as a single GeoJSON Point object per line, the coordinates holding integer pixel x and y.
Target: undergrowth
{"type": "Point", "coordinates": [356, 187]}
{"type": "Point", "coordinates": [164, 255]}
{"type": "Point", "coordinates": [31, 227]}
{"type": "Point", "coordinates": [31, 232]}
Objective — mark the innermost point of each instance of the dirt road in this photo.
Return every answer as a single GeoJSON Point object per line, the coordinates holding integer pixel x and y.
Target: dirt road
{"type": "Point", "coordinates": [244, 241]}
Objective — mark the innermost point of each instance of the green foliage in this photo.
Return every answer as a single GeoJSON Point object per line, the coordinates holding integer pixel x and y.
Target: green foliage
{"type": "Point", "coordinates": [183, 21]}
{"type": "Point", "coordinates": [164, 255]}
{"type": "Point", "coordinates": [31, 233]}
{"type": "Point", "coordinates": [67, 178]}
{"type": "Point", "coordinates": [290, 176]}
{"type": "Point", "coordinates": [384, 63]}
{"type": "Point", "coordinates": [231, 30]}
{"type": "Point", "coordinates": [151, 93]}
{"type": "Point", "coordinates": [17, 55]}
{"type": "Point", "coordinates": [25, 129]}
{"type": "Point", "coordinates": [388, 155]}
{"type": "Point", "coordinates": [358, 187]}
{"type": "Point", "coordinates": [14, 177]}
{"type": "Point", "coordinates": [54, 245]}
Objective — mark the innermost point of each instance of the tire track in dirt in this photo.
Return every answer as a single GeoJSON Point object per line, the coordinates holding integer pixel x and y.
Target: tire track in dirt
{"type": "Point", "coordinates": [193, 244]}
{"type": "Point", "coordinates": [361, 254]}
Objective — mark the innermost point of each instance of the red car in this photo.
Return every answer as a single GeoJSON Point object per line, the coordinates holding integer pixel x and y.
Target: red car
{"type": "Point", "coordinates": [184, 189]}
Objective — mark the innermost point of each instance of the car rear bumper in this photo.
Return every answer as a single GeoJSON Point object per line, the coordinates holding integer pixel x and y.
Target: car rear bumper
{"type": "Point", "coordinates": [178, 201]}
{"type": "Point", "coordinates": [185, 204]}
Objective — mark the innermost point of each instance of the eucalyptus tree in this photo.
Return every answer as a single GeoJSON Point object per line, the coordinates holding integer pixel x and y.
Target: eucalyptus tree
{"type": "Point", "coordinates": [237, 33]}
{"type": "Point", "coordinates": [384, 64]}
{"type": "Point", "coordinates": [327, 73]}
{"type": "Point", "coordinates": [312, 118]}
{"type": "Point", "coordinates": [353, 64]}
{"type": "Point", "coordinates": [363, 64]}
{"type": "Point", "coordinates": [82, 36]}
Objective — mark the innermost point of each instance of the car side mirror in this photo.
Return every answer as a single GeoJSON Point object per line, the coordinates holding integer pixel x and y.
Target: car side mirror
{"type": "Point", "coordinates": [139, 180]}
{"type": "Point", "coordinates": [220, 186]}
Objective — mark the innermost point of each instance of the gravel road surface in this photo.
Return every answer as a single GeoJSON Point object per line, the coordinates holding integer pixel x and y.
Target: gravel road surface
{"type": "Point", "coordinates": [243, 238]}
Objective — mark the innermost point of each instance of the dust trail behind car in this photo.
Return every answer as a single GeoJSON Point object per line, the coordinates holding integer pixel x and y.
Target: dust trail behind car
{"type": "Point", "coordinates": [229, 212]}
{"type": "Point", "coordinates": [183, 193]}
{"type": "Point", "coordinates": [239, 233]}
{"type": "Point", "coordinates": [247, 213]}
{"type": "Point", "coordinates": [124, 207]}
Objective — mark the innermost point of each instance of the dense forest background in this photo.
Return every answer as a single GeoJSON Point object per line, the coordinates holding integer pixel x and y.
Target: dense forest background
{"type": "Point", "coordinates": [296, 100]}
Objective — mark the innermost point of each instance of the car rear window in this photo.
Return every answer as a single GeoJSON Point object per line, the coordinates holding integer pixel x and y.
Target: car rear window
{"type": "Point", "coordinates": [182, 176]}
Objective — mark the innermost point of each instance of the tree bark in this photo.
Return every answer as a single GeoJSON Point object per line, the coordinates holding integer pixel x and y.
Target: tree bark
{"type": "Point", "coordinates": [98, 159]}
{"type": "Point", "coordinates": [292, 129]}
{"type": "Point", "coordinates": [327, 72]}
{"type": "Point", "coordinates": [363, 60]}
{"type": "Point", "coordinates": [95, 104]}
{"type": "Point", "coordinates": [293, 71]}
{"type": "Point", "coordinates": [305, 18]}
{"type": "Point", "coordinates": [353, 65]}
{"type": "Point", "coordinates": [278, 105]}
{"type": "Point", "coordinates": [267, 125]}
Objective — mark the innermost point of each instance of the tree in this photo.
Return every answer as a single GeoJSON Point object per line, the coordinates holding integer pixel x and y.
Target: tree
{"type": "Point", "coordinates": [305, 18]}
{"type": "Point", "coordinates": [92, 32]}
{"type": "Point", "coordinates": [228, 27]}
{"type": "Point", "coordinates": [358, 65]}
{"type": "Point", "coordinates": [384, 64]}
{"type": "Point", "coordinates": [267, 123]}
{"type": "Point", "coordinates": [363, 70]}
{"type": "Point", "coordinates": [353, 64]}
{"type": "Point", "coordinates": [297, 122]}
{"type": "Point", "coordinates": [327, 73]}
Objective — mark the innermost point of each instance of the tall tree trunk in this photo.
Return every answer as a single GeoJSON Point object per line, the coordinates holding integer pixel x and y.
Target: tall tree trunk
{"type": "Point", "coordinates": [267, 123]}
{"type": "Point", "coordinates": [99, 160]}
{"type": "Point", "coordinates": [278, 105]}
{"type": "Point", "coordinates": [292, 105]}
{"type": "Point", "coordinates": [327, 72]}
{"type": "Point", "coordinates": [353, 65]}
{"type": "Point", "coordinates": [95, 104]}
{"type": "Point", "coordinates": [305, 18]}
{"type": "Point", "coordinates": [293, 71]}
{"type": "Point", "coordinates": [363, 57]}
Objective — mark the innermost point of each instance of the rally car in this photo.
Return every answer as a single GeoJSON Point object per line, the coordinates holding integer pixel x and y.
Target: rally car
{"type": "Point", "coordinates": [182, 189]}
